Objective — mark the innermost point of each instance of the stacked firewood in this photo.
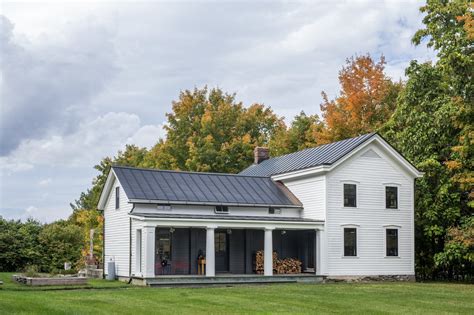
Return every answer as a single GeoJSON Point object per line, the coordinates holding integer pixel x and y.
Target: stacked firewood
{"type": "Point", "coordinates": [280, 266]}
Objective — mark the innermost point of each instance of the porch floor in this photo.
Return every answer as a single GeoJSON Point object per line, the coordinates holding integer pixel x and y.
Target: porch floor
{"type": "Point", "coordinates": [226, 279]}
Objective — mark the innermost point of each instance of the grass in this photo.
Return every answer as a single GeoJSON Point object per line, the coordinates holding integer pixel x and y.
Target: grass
{"type": "Point", "coordinates": [372, 298]}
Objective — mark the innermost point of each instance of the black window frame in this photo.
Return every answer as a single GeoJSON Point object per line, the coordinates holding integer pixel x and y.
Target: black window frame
{"type": "Point", "coordinates": [390, 250]}
{"type": "Point", "coordinates": [274, 210]}
{"type": "Point", "coordinates": [388, 195]}
{"type": "Point", "coordinates": [117, 197]}
{"type": "Point", "coordinates": [346, 201]}
{"type": "Point", "coordinates": [221, 210]}
{"type": "Point", "coordinates": [350, 252]}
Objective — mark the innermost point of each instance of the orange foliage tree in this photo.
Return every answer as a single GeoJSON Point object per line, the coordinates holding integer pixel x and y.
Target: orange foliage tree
{"type": "Point", "coordinates": [366, 101]}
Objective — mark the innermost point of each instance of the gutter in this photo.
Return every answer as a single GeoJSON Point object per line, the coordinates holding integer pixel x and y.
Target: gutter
{"type": "Point", "coordinates": [170, 202]}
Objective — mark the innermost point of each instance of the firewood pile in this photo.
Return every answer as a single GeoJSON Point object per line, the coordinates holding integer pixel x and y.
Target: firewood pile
{"type": "Point", "coordinates": [280, 266]}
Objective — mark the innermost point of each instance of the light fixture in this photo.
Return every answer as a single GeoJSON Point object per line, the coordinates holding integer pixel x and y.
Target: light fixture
{"type": "Point", "coordinates": [171, 230]}
{"type": "Point", "coordinates": [229, 231]}
{"type": "Point", "coordinates": [283, 232]}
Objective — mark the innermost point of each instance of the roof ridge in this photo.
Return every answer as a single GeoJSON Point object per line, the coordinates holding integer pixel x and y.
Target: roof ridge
{"type": "Point", "coordinates": [185, 172]}
{"type": "Point", "coordinates": [368, 135]}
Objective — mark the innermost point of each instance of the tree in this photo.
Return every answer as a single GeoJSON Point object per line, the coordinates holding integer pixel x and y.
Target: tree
{"type": "Point", "coordinates": [432, 127]}
{"type": "Point", "coordinates": [209, 131]}
{"type": "Point", "coordinates": [61, 242]}
{"type": "Point", "coordinates": [366, 101]}
{"type": "Point", "coordinates": [19, 245]}
{"type": "Point", "coordinates": [300, 135]}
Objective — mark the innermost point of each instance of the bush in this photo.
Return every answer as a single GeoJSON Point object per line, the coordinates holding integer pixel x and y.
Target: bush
{"type": "Point", "coordinates": [31, 271]}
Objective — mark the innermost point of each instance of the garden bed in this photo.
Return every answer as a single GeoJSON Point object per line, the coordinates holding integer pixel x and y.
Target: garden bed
{"type": "Point", "coordinates": [45, 281]}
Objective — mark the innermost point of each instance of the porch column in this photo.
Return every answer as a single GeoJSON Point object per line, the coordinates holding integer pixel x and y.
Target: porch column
{"type": "Point", "coordinates": [149, 251]}
{"type": "Point", "coordinates": [321, 252]}
{"type": "Point", "coordinates": [268, 252]}
{"type": "Point", "coordinates": [210, 252]}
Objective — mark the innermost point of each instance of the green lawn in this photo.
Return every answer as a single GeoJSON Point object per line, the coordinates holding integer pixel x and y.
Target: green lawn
{"type": "Point", "coordinates": [288, 298]}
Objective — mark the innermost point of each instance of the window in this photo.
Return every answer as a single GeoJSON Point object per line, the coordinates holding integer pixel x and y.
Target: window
{"type": "Point", "coordinates": [163, 245]}
{"type": "Point", "coordinates": [350, 195]}
{"type": "Point", "coordinates": [221, 209]}
{"type": "Point", "coordinates": [350, 242]}
{"type": "Point", "coordinates": [220, 242]}
{"type": "Point", "coordinates": [273, 210]}
{"type": "Point", "coordinates": [117, 197]}
{"type": "Point", "coordinates": [392, 242]}
{"type": "Point", "coordinates": [391, 197]}
{"type": "Point", "coordinates": [138, 252]}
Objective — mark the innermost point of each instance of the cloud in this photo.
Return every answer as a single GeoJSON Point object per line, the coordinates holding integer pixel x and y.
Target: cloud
{"type": "Point", "coordinates": [45, 182]}
{"type": "Point", "coordinates": [92, 141]}
{"type": "Point", "coordinates": [47, 85]}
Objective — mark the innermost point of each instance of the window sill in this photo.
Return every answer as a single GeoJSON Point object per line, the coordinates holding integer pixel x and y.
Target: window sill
{"type": "Point", "coordinates": [350, 257]}
{"type": "Point", "coordinates": [392, 209]}
{"type": "Point", "coordinates": [344, 207]}
{"type": "Point", "coordinates": [392, 257]}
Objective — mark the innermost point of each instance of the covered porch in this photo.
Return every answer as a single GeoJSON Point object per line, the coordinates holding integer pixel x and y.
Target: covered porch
{"type": "Point", "coordinates": [225, 248]}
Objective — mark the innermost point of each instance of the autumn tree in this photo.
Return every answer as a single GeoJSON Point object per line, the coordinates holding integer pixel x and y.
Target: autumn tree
{"type": "Point", "coordinates": [209, 131]}
{"type": "Point", "coordinates": [367, 100]}
{"type": "Point", "coordinates": [298, 136]}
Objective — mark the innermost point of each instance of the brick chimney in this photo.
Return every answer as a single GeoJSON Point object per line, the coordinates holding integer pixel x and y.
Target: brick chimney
{"type": "Point", "coordinates": [260, 154]}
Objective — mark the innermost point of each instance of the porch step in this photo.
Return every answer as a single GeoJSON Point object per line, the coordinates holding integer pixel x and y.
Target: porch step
{"type": "Point", "coordinates": [231, 280]}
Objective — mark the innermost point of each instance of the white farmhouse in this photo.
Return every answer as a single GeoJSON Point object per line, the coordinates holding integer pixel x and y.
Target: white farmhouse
{"type": "Point", "coordinates": [343, 209]}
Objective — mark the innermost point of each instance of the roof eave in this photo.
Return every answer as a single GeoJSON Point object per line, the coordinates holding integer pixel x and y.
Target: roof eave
{"type": "Point", "coordinates": [197, 203]}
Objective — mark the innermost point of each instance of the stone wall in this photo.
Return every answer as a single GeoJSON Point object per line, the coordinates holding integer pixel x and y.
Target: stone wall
{"type": "Point", "coordinates": [388, 278]}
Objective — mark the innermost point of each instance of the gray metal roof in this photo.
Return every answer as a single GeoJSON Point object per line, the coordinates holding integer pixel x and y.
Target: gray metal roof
{"type": "Point", "coordinates": [175, 187]}
{"type": "Point", "coordinates": [223, 217]}
{"type": "Point", "coordinates": [323, 155]}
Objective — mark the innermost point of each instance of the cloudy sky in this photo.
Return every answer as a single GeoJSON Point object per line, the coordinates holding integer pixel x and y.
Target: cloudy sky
{"type": "Point", "coordinates": [81, 80]}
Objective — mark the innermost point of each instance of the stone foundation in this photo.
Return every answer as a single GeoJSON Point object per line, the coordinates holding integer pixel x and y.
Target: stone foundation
{"type": "Point", "coordinates": [378, 278]}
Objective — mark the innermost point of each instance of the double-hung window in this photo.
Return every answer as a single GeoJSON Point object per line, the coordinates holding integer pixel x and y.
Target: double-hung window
{"type": "Point", "coordinates": [391, 197]}
{"type": "Point", "coordinates": [350, 195]}
{"type": "Point", "coordinates": [391, 239]}
{"type": "Point", "coordinates": [350, 242]}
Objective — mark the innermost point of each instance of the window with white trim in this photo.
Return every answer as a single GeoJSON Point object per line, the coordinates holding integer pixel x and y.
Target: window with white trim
{"type": "Point", "coordinates": [273, 210]}
{"type": "Point", "coordinates": [350, 195]}
{"type": "Point", "coordinates": [117, 197]}
{"type": "Point", "coordinates": [391, 240]}
{"type": "Point", "coordinates": [221, 209]}
{"type": "Point", "coordinates": [350, 242]}
{"type": "Point", "coordinates": [391, 197]}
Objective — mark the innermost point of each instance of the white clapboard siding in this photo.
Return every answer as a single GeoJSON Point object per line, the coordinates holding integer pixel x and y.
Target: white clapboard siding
{"type": "Point", "coordinates": [311, 192]}
{"type": "Point", "coordinates": [117, 239]}
{"type": "Point", "coordinates": [210, 210]}
{"type": "Point", "coordinates": [371, 171]}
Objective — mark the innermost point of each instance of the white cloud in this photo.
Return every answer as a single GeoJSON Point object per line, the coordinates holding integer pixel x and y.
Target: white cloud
{"type": "Point", "coordinates": [45, 182]}
{"type": "Point", "coordinates": [92, 141]}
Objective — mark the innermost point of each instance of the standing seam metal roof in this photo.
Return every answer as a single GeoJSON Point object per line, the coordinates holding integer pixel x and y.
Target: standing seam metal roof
{"type": "Point", "coordinates": [163, 186]}
{"type": "Point", "coordinates": [323, 155]}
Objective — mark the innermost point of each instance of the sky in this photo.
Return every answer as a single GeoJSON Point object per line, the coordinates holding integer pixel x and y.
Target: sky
{"type": "Point", "coordinates": [79, 80]}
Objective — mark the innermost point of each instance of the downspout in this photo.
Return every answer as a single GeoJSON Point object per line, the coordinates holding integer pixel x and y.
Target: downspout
{"type": "Point", "coordinates": [130, 248]}
{"type": "Point", "coordinates": [103, 245]}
